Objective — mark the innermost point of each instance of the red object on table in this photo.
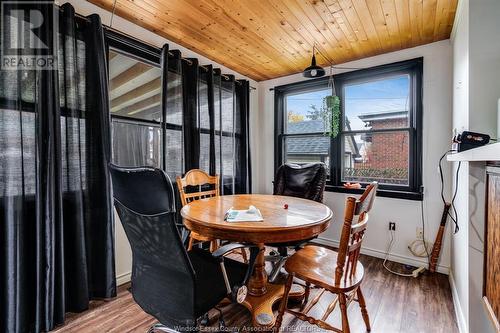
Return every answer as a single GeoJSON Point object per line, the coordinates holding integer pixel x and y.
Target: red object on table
{"type": "Point", "coordinates": [286, 206]}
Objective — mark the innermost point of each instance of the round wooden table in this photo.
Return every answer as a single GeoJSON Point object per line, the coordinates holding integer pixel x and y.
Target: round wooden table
{"type": "Point", "coordinates": [304, 219]}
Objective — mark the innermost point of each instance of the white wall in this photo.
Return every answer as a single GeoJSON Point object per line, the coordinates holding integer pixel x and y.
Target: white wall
{"type": "Point", "coordinates": [123, 257]}
{"type": "Point", "coordinates": [459, 253]}
{"type": "Point", "coordinates": [476, 49]}
{"type": "Point", "coordinates": [437, 104]}
{"type": "Point", "coordinates": [484, 92]}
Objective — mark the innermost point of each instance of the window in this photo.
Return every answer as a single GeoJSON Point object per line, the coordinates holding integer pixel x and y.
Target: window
{"type": "Point", "coordinates": [380, 130]}
{"type": "Point", "coordinates": [135, 105]}
{"type": "Point", "coordinates": [144, 134]}
{"type": "Point", "coordinates": [135, 93]}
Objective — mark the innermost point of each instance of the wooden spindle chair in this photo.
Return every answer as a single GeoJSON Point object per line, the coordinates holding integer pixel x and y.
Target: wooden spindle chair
{"type": "Point", "coordinates": [337, 272]}
{"type": "Point", "coordinates": [199, 179]}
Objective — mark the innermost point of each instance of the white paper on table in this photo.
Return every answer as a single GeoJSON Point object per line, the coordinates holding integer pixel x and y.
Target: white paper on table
{"type": "Point", "coordinates": [252, 214]}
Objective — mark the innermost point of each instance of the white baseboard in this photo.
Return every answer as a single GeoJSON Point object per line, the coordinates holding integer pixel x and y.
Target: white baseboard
{"type": "Point", "coordinates": [392, 257]}
{"type": "Point", "coordinates": [461, 322]}
{"type": "Point", "coordinates": [123, 278]}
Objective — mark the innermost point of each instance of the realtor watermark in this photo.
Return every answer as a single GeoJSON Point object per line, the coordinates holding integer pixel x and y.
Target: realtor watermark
{"type": "Point", "coordinates": [28, 35]}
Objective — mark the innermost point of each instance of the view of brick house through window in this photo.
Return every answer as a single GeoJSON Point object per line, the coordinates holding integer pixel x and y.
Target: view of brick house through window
{"type": "Point", "coordinates": [375, 132]}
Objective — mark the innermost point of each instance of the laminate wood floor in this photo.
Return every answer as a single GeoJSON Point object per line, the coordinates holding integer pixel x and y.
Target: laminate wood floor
{"type": "Point", "coordinates": [395, 304]}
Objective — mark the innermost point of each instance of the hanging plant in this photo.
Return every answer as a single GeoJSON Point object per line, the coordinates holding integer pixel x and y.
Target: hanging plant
{"type": "Point", "coordinates": [331, 106]}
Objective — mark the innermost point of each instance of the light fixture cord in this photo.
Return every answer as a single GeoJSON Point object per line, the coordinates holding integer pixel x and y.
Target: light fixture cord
{"type": "Point", "coordinates": [331, 83]}
{"type": "Point", "coordinates": [112, 14]}
{"type": "Point", "coordinates": [331, 63]}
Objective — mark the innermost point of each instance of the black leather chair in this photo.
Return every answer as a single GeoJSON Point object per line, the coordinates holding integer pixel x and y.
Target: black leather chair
{"type": "Point", "coordinates": [175, 286]}
{"type": "Point", "coordinates": [305, 181]}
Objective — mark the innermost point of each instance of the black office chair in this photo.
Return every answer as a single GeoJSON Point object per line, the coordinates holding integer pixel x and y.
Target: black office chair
{"type": "Point", "coordinates": [174, 286]}
{"type": "Point", "coordinates": [305, 181]}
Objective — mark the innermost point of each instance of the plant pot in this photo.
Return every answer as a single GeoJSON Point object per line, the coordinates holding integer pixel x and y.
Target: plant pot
{"type": "Point", "coordinates": [330, 101]}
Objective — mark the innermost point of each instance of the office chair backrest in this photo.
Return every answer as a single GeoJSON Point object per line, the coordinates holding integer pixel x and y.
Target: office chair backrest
{"type": "Point", "coordinates": [303, 181]}
{"type": "Point", "coordinates": [144, 200]}
{"type": "Point", "coordinates": [144, 190]}
{"type": "Point", "coordinates": [352, 235]}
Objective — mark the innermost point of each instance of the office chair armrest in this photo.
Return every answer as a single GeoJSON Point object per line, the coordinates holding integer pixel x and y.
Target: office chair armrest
{"type": "Point", "coordinates": [238, 292]}
{"type": "Point", "coordinates": [225, 249]}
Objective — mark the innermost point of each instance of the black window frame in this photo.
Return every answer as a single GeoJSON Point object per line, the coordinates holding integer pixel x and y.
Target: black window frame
{"type": "Point", "coordinates": [412, 67]}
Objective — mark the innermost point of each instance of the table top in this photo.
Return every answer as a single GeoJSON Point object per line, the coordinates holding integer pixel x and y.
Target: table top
{"type": "Point", "coordinates": [303, 219]}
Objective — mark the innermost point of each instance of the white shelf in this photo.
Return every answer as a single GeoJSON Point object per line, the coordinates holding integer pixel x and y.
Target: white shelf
{"type": "Point", "coordinates": [489, 152]}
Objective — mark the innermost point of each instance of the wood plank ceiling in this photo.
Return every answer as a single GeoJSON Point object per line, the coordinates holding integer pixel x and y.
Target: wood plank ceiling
{"type": "Point", "coordinates": [265, 39]}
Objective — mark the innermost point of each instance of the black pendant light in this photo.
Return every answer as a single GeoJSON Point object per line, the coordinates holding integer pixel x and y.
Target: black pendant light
{"type": "Point", "coordinates": [313, 70]}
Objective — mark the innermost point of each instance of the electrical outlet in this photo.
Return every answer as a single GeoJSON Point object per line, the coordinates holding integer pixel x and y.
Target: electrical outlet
{"type": "Point", "coordinates": [420, 233]}
{"type": "Point", "coordinates": [392, 226]}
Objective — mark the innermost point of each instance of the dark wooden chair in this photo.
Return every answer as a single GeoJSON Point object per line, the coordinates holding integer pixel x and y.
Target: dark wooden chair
{"type": "Point", "coordinates": [337, 272]}
{"type": "Point", "coordinates": [195, 185]}
{"type": "Point", "coordinates": [196, 179]}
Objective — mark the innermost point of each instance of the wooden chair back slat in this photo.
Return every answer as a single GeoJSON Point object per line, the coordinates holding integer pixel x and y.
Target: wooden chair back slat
{"type": "Point", "coordinates": [197, 177]}
{"type": "Point", "coordinates": [352, 234]}
{"type": "Point", "coordinates": [365, 202]}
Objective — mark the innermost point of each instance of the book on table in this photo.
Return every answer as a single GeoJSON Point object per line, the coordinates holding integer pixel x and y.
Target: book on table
{"type": "Point", "coordinates": [252, 214]}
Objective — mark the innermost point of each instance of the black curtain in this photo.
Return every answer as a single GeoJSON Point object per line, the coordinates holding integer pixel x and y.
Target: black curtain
{"type": "Point", "coordinates": [57, 234]}
{"type": "Point", "coordinates": [215, 125]}
{"type": "Point", "coordinates": [209, 79]}
{"type": "Point", "coordinates": [243, 174]}
{"type": "Point", "coordinates": [190, 77]}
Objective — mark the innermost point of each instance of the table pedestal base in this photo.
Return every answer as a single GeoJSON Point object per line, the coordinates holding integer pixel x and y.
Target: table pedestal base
{"type": "Point", "coordinates": [261, 307]}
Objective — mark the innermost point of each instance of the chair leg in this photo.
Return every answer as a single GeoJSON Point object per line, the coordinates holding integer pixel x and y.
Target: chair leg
{"type": "Point", "coordinates": [364, 312]}
{"type": "Point", "coordinates": [214, 245]}
{"type": "Point", "coordinates": [190, 243]}
{"type": "Point", "coordinates": [277, 269]}
{"type": "Point", "coordinates": [284, 303]}
{"type": "Point", "coordinates": [306, 296]}
{"type": "Point", "coordinates": [343, 311]}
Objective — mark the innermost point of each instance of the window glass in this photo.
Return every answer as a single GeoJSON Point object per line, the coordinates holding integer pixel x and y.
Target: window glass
{"type": "Point", "coordinates": [134, 88]}
{"type": "Point", "coordinates": [217, 122]}
{"type": "Point", "coordinates": [174, 153]}
{"type": "Point", "coordinates": [174, 98]}
{"type": "Point", "coordinates": [227, 137]}
{"type": "Point", "coordinates": [205, 152]}
{"type": "Point", "coordinates": [204, 123]}
{"type": "Point", "coordinates": [18, 153]}
{"type": "Point", "coordinates": [227, 173]}
{"type": "Point", "coordinates": [136, 144]}
{"type": "Point", "coordinates": [377, 104]}
{"type": "Point", "coordinates": [175, 148]}
{"type": "Point", "coordinates": [307, 149]}
{"type": "Point", "coordinates": [382, 157]}
{"type": "Point", "coordinates": [305, 112]}
{"type": "Point", "coordinates": [227, 106]}
{"type": "Point", "coordinates": [204, 119]}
